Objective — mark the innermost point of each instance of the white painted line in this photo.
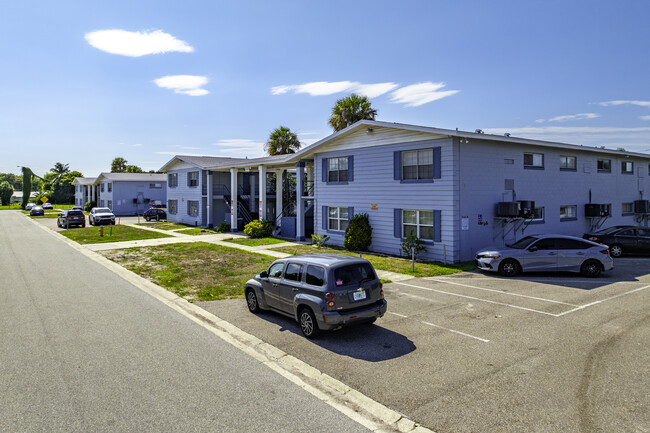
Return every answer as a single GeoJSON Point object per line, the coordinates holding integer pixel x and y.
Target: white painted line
{"type": "Point", "coordinates": [399, 315]}
{"type": "Point", "coordinates": [582, 307]}
{"type": "Point", "coordinates": [457, 332]}
{"type": "Point", "coordinates": [477, 299]}
{"type": "Point", "coordinates": [501, 292]}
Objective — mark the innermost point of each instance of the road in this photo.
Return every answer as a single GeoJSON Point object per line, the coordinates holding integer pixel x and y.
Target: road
{"type": "Point", "coordinates": [83, 350]}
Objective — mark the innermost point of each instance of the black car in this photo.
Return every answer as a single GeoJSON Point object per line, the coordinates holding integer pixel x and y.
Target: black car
{"type": "Point", "coordinates": [69, 218]}
{"type": "Point", "coordinates": [623, 239]}
{"type": "Point", "coordinates": [155, 214]}
{"type": "Point", "coordinates": [36, 211]}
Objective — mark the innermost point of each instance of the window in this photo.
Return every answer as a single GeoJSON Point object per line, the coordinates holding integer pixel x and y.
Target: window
{"type": "Point", "coordinates": [101, 187]}
{"type": "Point", "coordinates": [193, 178]}
{"type": "Point", "coordinates": [110, 187]}
{"type": "Point", "coordinates": [571, 244]}
{"type": "Point", "coordinates": [173, 206]}
{"type": "Point", "coordinates": [648, 169]}
{"type": "Point", "coordinates": [172, 180]}
{"type": "Point", "coordinates": [567, 162]}
{"type": "Point", "coordinates": [315, 276]}
{"type": "Point", "coordinates": [627, 208]}
{"type": "Point", "coordinates": [110, 204]}
{"type": "Point", "coordinates": [605, 165]}
{"type": "Point", "coordinates": [101, 203]}
{"type": "Point", "coordinates": [418, 223]}
{"type": "Point", "coordinates": [192, 208]}
{"type": "Point", "coordinates": [155, 185]}
{"type": "Point", "coordinates": [545, 244]}
{"type": "Point", "coordinates": [538, 215]}
{"type": "Point", "coordinates": [275, 271]}
{"type": "Point", "coordinates": [293, 272]}
{"type": "Point", "coordinates": [337, 169]}
{"type": "Point", "coordinates": [627, 167]}
{"type": "Point", "coordinates": [568, 213]}
{"type": "Point", "coordinates": [417, 164]}
{"type": "Point", "coordinates": [338, 218]}
{"type": "Point", "coordinates": [353, 274]}
{"type": "Point", "coordinates": [534, 160]}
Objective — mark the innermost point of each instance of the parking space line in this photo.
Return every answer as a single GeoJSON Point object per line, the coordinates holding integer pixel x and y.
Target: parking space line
{"type": "Point", "coordinates": [457, 332]}
{"type": "Point", "coordinates": [501, 292]}
{"type": "Point", "coordinates": [476, 299]}
{"type": "Point", "coordinates": [581, 307]}
{"type": "Point", "coordinates": [397, 314]}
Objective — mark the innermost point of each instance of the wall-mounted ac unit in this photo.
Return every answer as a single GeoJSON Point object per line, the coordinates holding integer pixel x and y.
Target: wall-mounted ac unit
{"type": "Point", "coordinates": [595, 210]}
{"type": "Point", "coordinates": [526, 208]}
{"type": "Point", "coordinates": [508, 209]}
{"type": "Point", "coordinates": [641, 206]}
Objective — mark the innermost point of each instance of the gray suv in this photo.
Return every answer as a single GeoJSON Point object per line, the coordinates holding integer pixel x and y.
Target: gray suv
{"type": "Point", "coordinates": [320, 291]}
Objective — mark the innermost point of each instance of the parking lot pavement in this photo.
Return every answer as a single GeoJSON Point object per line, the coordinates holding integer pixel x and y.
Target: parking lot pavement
{"type": "Point", "coordinates": [478, 352]}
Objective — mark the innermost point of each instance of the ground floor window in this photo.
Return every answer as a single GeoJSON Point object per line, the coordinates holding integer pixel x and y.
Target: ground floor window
{"type": "Point", "coordinates": [101, 203]}
{"type": "Point", "coordinates": [418, 223]}
{"type": "Point", "coordinates": [569, 211]}
{"type": "Point", "coordinates": [627, 208]}
{"type": "Point", "coordinates": [110, 204]}
{"type": "Point", "coordinates": [538, 214]}
{"type": "Point", "coordinates": [337, 218]}
{"type": "Point", "coordinates": [173, 206]}
{"type": "Point", "coordinates": [192, 208]}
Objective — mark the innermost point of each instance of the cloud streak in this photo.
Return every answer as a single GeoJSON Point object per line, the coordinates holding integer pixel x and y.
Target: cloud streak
{"type": "Point", "coordinates": [321, 88]}
{"type": "Point", "coordinates": [136, 44]}
{"type": "Point", "coordinates": [184, 84]}
{"type": "Point", "coordinates": [570, 117]}
{"type": "Point", "coordinates": [420, 94]}
{"type": "Point", "coordinates": [625, 102]}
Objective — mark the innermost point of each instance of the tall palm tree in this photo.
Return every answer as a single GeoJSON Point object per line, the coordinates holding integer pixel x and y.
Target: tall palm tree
{"type": "Point", "coordinates": [282, 141]}
{"type": "Point", "coordinates": [349, 110]}
{"type": "Point", "coordinates": [60, 168]}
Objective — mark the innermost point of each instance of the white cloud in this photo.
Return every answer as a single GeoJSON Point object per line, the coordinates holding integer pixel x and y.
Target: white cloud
{"type": "Point", "coordinates": [644, 117]}
{"type": "Point", "coordinates": [570, 117]}
{"type": "Point", "coordinates": [240, 148]}
{"type": "Point", "coordinates": [626, 102]}
{"type": "Point", "coordinates": [374, 90]}
{"type": "Point", "coordinates": [566, 130]}
{"type": "Point", "coordinates": [177, 153]}
{"type": "Point", "coordinates": [320, 88]}
{"type": "Point", "coordinates": [137, 145]}
{"type": "Point", "coordinates": [185, 84]}
{"type": "Point", "coordinates": [421, 93]}
{"type": "Point", "coordinates": [136, 44]}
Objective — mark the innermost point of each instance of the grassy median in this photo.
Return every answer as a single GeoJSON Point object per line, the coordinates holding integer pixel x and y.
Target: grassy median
{"type": "Point", "coordinates": [255, 242]}
{"type": "Point", "coordinates": [163, 225]}
{"type": "Point", "coordinates": [195, 271]}
{"type": "Point", "coordinates": [112, 233]}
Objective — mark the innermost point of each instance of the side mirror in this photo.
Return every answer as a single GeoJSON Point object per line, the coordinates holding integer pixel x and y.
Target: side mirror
{"type": "Point", "coordinates": [264, 274]}
{"type": "Point", "coordinates": [533, 249]}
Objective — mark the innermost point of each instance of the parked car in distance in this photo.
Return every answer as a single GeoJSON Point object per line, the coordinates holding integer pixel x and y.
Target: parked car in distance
{"type": "Point", "coordinates": [29, 206]}
{"type": "Point", "coordinates": [69, 218]}
{"type": "Point", "coordinates": [622, 239]}
{"type": "Point", "coordinates": [101, 215]}
{"type": "Point", "coordinates": [542, 253]}
{"type": "Point", "coordinates": [320, 291]}
{"type": "Point", "coordinates": [77, 208]}
{"type": "Point", "coordinates": [47, 205]}
{"type": "Point", "coordinates": [36, 210]}
{"type": "Point", "coordinates": [155, 214]}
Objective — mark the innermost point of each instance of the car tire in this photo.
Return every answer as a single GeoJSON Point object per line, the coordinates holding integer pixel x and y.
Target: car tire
{"type": "Point", "coordinates": [252, 302]}
{"type": "Point", "coordinates": [509, 268]}
{"type": "Point", "coordinates": [591, 268]}
{"type": "Point", "coordinates": [308, 324]}
{"type": "Point", "coordinates": [113, 223]}
{"type": "Point", "coordinates": [616, 250]}
{"type": "Point", "coordinates": [83, 225]}
{"type": "Point", "coordinates": [58, 223]}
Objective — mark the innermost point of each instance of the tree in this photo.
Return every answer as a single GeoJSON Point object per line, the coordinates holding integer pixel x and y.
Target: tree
{"type": "Point", "coordinates": [282, 141]}
{"type": "Point", "coordinates": [133, 169]}
{"type": "Point", "coordinates": [118, 165]}
{"type": "Point", "coordinates": [27, 185]}
{"type": "Point", "coordinates": [6, 191]}
{"type": "Point", "coordinates": [60, 169]}
{"type": "Point", "coordinates": [349, 110]}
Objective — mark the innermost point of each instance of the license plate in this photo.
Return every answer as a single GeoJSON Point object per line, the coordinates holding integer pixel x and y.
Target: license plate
{"type": "Point", "coordinates": [359, 295]}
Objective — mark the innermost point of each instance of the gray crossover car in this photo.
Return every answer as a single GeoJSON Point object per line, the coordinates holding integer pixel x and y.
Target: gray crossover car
{"type": "Point", "coordinates": [320, 291]}
{"type": "Point", "coordinates": [101, 215]}
{"type": "Point", "coordinates": [538, 253]}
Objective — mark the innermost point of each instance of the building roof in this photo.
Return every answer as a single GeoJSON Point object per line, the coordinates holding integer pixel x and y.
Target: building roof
{"type": "Point", "coordinates": [203, 162]}
{"type": "Point", "coordinates": [84, 180]}
{"type": "Point", "coordinates": [131, 177]}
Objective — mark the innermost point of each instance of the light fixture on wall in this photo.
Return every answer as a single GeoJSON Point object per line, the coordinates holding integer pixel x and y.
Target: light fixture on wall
{"type": "Point", "coordinates": [369, 130]}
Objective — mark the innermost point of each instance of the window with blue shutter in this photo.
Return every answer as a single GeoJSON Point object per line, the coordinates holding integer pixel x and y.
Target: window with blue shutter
{"type": "Point", "coordinates": [339, 170]}
{"type": "Point", "coordinates": [417, 165]}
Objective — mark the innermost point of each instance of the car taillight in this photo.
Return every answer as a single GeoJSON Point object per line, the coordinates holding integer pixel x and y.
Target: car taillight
{"type": "Point", "coordinates": [594, 239]}
{"type": "Point", "coordinates": [605, 252]}
{"type": "Point", "coordinates": [329, 295]}
{"type": "Point", "coordinates": [68, 217]}
{"type": "Point", "coordinates": [330, 304]}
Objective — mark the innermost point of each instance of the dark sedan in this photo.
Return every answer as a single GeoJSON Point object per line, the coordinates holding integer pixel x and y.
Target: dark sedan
{"type": "Point", "coordinates": [155, 214]}
{"type": "Point", "coordinates": [623, 239]}
{"type": "Point", "coordinates": [36, 211]}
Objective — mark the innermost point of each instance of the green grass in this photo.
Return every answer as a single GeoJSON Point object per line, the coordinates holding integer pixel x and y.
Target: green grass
{"type": "Point", "coordinates": [197, 231]}
{"type": "Point", "coordinates": [255, 242]}
{"type": "Point", "coordinates": [163, 225]}
{"type": "Point", "coordinates": [11, 207]}
{"type": "Point", "coordinates": [90, 235]}
{"type": "Point", "coordinates": [195, 271]}
{"type": "Point", "coordinates": [384, 263]}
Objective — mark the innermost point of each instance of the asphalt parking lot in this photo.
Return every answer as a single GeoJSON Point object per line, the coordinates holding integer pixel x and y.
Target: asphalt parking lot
{"type": "Point", "coordinates": [51, 222]}
{"type": "Point", "coordinates": [477, 352]}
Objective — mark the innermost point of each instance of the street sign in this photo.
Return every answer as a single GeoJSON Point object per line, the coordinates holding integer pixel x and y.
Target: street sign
{"type": "Point", "coordinates": [43, 199]}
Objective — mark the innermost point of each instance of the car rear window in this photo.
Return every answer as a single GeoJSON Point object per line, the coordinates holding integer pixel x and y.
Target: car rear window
{"type": "Point", "coordinates": [75, 212]}
{"type": "Point", "coordinates": [353, 274]}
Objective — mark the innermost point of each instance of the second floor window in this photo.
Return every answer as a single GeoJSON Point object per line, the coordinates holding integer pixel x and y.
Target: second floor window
{"type": "Point", "coordinates": [627, 167]}
{"type": "Point", "coordinates": [337, 169]}
{"type": "Point", "coordinates": [417, 164]}
{"type": "Point", "coordinates": [533, 160]}
{"type": "Point", "coordinates": [570, 211]}
{"type": "Point", "coordinates": [172, 180]}
{"type": "Point", "coordinates": [605, 165]}
{"type": "Point", "coordinates": [193, 178]}
{"type": "Point", "coordinates": [567, 162]}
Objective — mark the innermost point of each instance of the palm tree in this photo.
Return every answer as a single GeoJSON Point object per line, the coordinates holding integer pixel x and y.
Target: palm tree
{"type": "Point", "coordinates": [282, 141]}
{"type": "Point", "coordinates": [349, 110]}
{"type": "Point", "coordinates": [60, 169]}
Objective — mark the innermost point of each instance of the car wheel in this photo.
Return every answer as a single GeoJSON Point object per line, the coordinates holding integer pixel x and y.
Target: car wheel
{"type": "Point", "coordinates": [616, 250]}
{"type": "Point", "coordinates": [509, 268]}
{"type": "Point", "coordinates": [83, 225]}
{"type": "Point", "coordinates": [113, 223]}
{"type": "Point", "coordinates": [308, 324]}
{"type": "Point", "coordinates": [591, 268]}
{"type": "Point", "coordinates": [251, 301]}
{"type": "Point", "coordinates": [58, 223]}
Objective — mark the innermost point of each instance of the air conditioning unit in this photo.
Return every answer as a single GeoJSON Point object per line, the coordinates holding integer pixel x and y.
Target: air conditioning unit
{"type": "Point", "coordinates": [526, 208]}
{"type": "Point", "coordinates": [594, 210]}
{"type": "Point", "coordinates": [508, 209]}
{"type": "Point", "coordinates": [641, 206]}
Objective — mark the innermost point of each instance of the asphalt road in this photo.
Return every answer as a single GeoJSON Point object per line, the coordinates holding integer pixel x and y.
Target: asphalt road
{"type": "Point", "coordinates": [83, 350]}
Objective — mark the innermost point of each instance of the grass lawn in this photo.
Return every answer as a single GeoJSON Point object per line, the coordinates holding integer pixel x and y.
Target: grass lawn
{"type": "Point", "coordinates": [255, 242]}
{"type": "Point", "coordinates": [163, 225]}
{"type": "Point", "coordinates": [90, 235]}
{"type": "Point", "coordinates": [195, 271]}
{"type": "Point", "coordinates": [197, 231]}
{"type": "Point", "coordinates": [391, 264]}
{"type": "Point", "coordinates": [11, 206]}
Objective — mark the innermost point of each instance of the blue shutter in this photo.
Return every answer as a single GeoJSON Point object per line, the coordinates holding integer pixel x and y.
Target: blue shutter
{"type": "Point", "coordinates": [397, 223]}
{"type": "Point", "coordinates": [350, 168]}
{"type": "Point", "coordinates": [437, 232]}
{"type": "Point", "coordinates": [436, 162]}
{"type": "Point", "coordinates": [350, 212]}
{"type": "Point", "coordinates": [397, 165]}
{"type": "Point", "coordinates": [324, 169]}
{"type": "Point", "coordinates": [324, 225]}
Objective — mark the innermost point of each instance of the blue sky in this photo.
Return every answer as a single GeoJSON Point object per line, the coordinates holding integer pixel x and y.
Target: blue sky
{"type": "Point", "coordinates": [84, 82]}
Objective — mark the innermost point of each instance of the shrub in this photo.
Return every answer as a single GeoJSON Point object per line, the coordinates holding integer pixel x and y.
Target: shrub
{"type": "Point", "coordinates": [223, 227]}
{"type": "Point", "coordinates": [89, 205]}
{"type": "Point", "coordinates": [6, 191]}
{"type": "Point", "coordinates": [358, 235]}
{"type": "Point", "coordinates": [319, 240]}
{"type": "Point", "coordinates": [47, 194]}
{"type": "Point", "coordinates": [258, 229]}
{"type": "Point", "coordinates": [411, 242]}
